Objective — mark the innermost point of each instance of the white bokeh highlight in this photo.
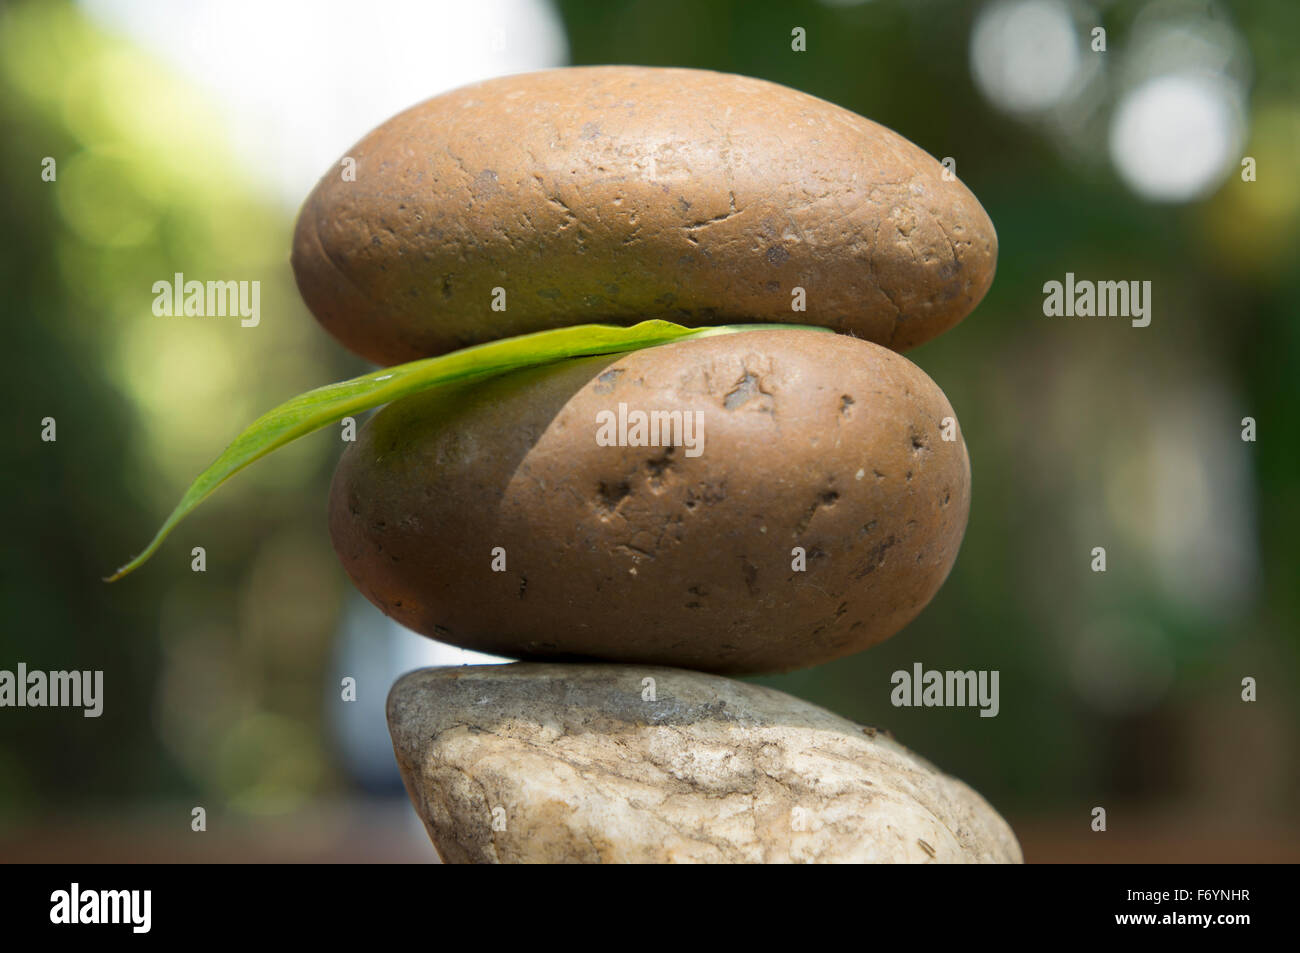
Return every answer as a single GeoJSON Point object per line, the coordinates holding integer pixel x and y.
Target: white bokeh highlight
{"type": "Point", "coordinates": [299, 82]}
{"type": "Point", "coordinates": [1025, 54]}
{"type": "Point", "coordinates": [1174, 138]}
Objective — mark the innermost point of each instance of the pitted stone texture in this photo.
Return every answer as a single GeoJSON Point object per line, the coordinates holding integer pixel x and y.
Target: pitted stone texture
{"type": "Point", "coordinates": [615, 193]}
{"type": "Point", "coordinates": [575, 763]}
{"type": "Point", "coordinates": [816, 442]}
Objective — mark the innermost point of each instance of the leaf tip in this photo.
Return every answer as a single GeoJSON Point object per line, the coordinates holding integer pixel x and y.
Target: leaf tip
{"type": "Point", "coordinates": [127, 569]}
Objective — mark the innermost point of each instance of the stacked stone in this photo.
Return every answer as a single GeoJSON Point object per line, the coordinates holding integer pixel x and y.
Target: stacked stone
{"type": "Point", "coordinates": [734, 504]}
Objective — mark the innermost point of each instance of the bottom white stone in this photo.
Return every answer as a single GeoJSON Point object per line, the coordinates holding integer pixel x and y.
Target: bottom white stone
{"type": "Point", "coordinates": [558, 763]}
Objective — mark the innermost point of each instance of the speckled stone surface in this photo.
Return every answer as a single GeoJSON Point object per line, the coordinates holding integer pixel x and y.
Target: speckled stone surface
{"type": "Point", "coordinates": [642, 553]}
{"type": "Point", "coordinates": [614, 194]}
{"type": "Point", "coordinates": [580, 763]}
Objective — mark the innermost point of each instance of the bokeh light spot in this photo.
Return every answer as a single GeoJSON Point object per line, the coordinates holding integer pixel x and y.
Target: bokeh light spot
{"type": "Point", "coordinates": [1025, 54]}
{"type": "Point", "coordinates": [1174, 137]}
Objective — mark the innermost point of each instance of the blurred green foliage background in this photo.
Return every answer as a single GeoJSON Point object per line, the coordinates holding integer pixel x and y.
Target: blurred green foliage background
{"type": "Point", "coordinates": [1119, 689]}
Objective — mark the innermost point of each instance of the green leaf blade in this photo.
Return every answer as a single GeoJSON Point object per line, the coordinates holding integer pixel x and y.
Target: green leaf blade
{"type": "Point", "coordinates": [322, 406]}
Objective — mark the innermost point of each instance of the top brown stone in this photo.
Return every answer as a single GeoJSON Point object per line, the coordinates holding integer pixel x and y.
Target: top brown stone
{"type": "Point", "coordinates": [614, 194]}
